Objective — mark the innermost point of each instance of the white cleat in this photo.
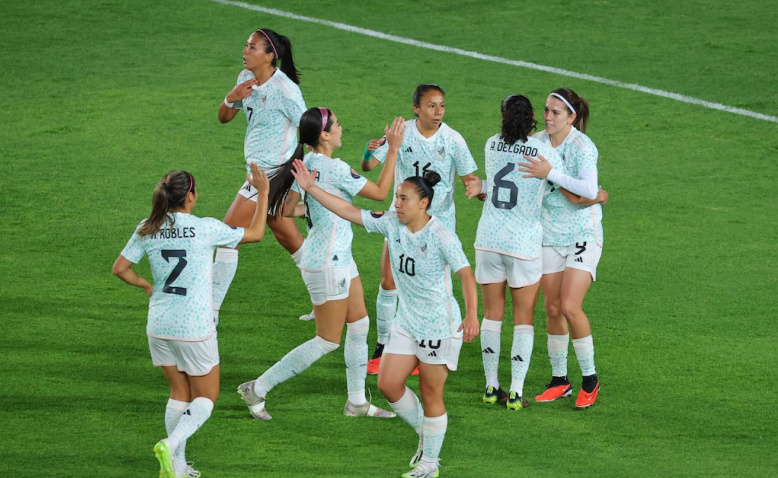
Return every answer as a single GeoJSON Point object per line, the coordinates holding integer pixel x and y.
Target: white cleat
{"type": "Point", "coordinates": [366, 410]}
{"type": "Point", "coordinates": [424, 470]}
{"type": "Point", "coordinates": [307, 317]}
{"type": "Point", "coordinates": [255, 403]}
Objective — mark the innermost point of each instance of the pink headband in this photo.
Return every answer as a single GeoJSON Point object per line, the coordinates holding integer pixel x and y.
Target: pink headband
{"type": "Point", "coordinates": [325, 116]}
{"type": "Point", "coordinates": [269, 41]}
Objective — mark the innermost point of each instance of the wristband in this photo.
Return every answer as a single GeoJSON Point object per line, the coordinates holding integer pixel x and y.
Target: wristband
{"type": "Point", "coordinates": [484, 186]}
{"type": "Point", "coordinates": [367, 155]}
{"type": "Point", "coordinates": [227, 103]}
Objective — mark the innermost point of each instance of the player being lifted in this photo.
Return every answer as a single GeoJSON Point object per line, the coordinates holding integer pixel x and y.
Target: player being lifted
{"type": "Point", "coordinates": [428, 144]}
{"type": "Point", "coordinates": [428, 330]}
{"type": "Point", "coordinates": [508, 245]}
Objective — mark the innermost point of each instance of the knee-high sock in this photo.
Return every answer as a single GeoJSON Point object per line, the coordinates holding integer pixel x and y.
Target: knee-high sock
{"type": "Point", "coordinates": [191, 420]}
{"type": "Point", "coordinates": [173, 412]}
{"type": "Point", "coordinates": [490, 350]}
{"type": "Point", "coordinates": [584, 351]}
{"type": "Point", "coordinates": [434, 433]}
{"type": "Point", "coordinates": [557, 354]}
{"type": "Point", "coordinates": [521, 352]}
{"type": "Point", "coordinates": [293, 363]}
{"type": "Point", "coordinates": [355, 355]}
{"type": "Point", "coordinates": [385, 310]}
{"type": "Point", "coordinates": [409, 409]}
{"type": "Point", "coordinates": [224, 266]}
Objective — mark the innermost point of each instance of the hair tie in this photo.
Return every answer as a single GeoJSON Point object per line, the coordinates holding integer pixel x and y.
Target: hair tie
{"type": "Point", "coordinates": [557, 95]}
{"type": "Point", "coordinates": [269, 41]}
{"type": "Point", "coordinates": [325, 116]}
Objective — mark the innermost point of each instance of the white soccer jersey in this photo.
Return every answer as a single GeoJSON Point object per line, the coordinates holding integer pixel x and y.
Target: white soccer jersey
{"type": "Point", "coordinates": [273, 114]}
{"type": "Point", "coordinates": [565, 223]}
{"type": "Point", "coordinates": [181, 257]}
{"type": "Point", "coordinates": [328, 243]}
{"type": "Point", "coordinates": [510, 220]}
{"type": "Point", "coordinates": [445, 152]}
{"type": "Point", "coordinates": [421, 265]}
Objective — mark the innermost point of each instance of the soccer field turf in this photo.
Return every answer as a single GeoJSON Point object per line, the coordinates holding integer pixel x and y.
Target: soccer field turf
{"type": "Point", "coordinates": [100, 98]}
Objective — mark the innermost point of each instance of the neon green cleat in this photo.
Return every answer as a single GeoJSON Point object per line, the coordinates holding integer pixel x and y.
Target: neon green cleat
{"type": "Point", "coordinates": [165, 457]}
{"type": "Point", "coordinates": [493, 395]}
{"type": "Point", "coordinates": [515, 402]}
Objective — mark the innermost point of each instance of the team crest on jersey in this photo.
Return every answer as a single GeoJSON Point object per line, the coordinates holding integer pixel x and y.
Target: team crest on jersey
{"type": "Point", "coordinates": [355, 174]}
{"type": "Point", "coordinates": [423, 250]}
{"type": "Point", "coordinates": [263, 99]}
{"type": "Point", "coordinates": [441, 153]}
{"type": "Point", "coordinates": [376, 214]}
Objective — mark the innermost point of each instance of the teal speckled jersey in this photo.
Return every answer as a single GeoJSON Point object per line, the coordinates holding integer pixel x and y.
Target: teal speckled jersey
{"type": "Point", "coordinates": [422, 263]}
{"type": "Point", "coordinates": [565, 223]}
{"type": "Point", "coordinates": [510, 221]}
{"type": "Point", "coordinates": [329, 237]}
{"type": "Point", "coordinates": [181, 257]}
{"type": "Point", "coordinates": [445, 152]}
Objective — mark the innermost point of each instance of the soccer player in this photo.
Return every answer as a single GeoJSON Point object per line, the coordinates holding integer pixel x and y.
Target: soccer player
{"type": "Point", "coordinates": [328, 268]}
{"type": "Point", "coordinates": [180, 328]}
{"type": "Point", "coordinates": [272, 102]}
{"type": "Point", "coordinates": [428, 143]}
{"type": "Point", "coordinates": [428, 330]}
{"type": "Point", "coordinates": [572, 240]}
{"type": "Point", "coordinates": [508, 245]}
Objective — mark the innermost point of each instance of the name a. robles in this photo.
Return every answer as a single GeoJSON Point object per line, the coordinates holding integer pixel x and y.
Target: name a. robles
{"type": "Point", "coordinates": [175, 233]}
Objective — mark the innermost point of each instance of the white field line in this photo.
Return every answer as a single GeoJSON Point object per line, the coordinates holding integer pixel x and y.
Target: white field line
{"type": "Point", "coordinates": [504, 61]}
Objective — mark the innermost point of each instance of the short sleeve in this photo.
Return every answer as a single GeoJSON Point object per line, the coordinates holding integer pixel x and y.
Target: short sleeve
{"type": "Point", "coordinates": [451, 249]}
{"type": "Point", "coordinates": [381, 152]}
{"type": "Point", "coordinates": [133, 251]}
{"type": "Point", "coordinates": [377, 221]}
{"type": "Point", "coordinates": [348, 180]}
{"type": "Point", "coordinates": [294, 107]}
{"type": "Point", "coordinates": [222, 234]}
{"type": "Point", "coordinates": [463, 159]}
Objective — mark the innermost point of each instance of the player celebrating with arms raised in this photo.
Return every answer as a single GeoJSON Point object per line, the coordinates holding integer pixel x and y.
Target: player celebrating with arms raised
{"type": "Point", "coordinates": [428, 144]}
{"type": "Point", "coordinates": [428, 331]}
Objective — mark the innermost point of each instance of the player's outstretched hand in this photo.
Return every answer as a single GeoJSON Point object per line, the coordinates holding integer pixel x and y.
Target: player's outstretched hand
{"type": "Point", "coordinates": [471, 328]}
{"type": "Point", "coordinates": [241, 91]}
{"type": "Point", "coordinates": [373, 144]}
{"type": "Point", "coordinates": [473, 188]}
{"type": "Point", "coordinates": [305, 179]}
{"type": "Point", "coordinates": [258, 179]}
{"type": "Point", "coordinates": [537, 168]}
{"type": "Point", "coordinates": [395, 132]}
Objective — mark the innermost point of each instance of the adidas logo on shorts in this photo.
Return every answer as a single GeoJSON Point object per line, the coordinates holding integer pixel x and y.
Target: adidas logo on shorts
{"type": "Point", "coordinates": [432, 354]}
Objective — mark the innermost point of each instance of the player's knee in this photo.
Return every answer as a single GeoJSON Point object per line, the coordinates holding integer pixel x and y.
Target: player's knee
{"type": "Point", "coordinates": [571, 310]}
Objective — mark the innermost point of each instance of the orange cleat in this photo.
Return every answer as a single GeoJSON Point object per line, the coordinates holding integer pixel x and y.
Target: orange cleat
{"type": "Point", "coordinates": [372, 365]}
{"type": "Point", "coordinates": [555, 391]}
{"type": "Point", "coordinates": [586, 399]}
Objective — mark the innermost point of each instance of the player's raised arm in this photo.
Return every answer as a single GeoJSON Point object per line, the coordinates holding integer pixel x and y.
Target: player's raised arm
{"type": "Point", "coordinates": [339, 206]}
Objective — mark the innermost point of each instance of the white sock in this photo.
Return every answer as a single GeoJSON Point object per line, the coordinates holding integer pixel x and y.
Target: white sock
{"type": "Point", "coordinates": [355, 355]}
{"type": "Point", "coordinates": [490, 350]}
{"type": "Point", "coordinates": [385, 310]}
{"type": "Point", "coordinates": [557, 354]}
{"type": "Point", "coordinates": [409, 409]}
{"type": "Point", "coordinates": [191, 420]}
{"type": "Point", "coordinates": [225, 264]}
{"type": "Point", "coordinates": [584, 351]}
{"type": "Point", "coordinates": [173, 412]}
{"type": "Point", "coordinates": [292, 364]}
{"type": "Point", "coordinates": [434, 432]}
{"type": "Point", "coordinates": [521, 352]}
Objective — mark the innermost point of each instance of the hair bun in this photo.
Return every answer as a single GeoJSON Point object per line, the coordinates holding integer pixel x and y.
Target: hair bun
{"type": "Point", "coordinates": [432, 177]}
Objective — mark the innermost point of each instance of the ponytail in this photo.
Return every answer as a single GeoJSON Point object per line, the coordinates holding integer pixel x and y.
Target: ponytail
{"type": "Point", "coordinates": [281, 48]}
{"type": "Point", "coordinates": [424, 185]}
{"type": "Point", "coordinates": [170, 194]}
{"type": "Point", "coordinates": [578, 103]}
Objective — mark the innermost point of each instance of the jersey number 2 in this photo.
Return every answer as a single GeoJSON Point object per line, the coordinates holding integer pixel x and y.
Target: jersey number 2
{"type": "Point", "coordinates": [181, 254]}
{"type": "Point", "coordinates": [500, 183]}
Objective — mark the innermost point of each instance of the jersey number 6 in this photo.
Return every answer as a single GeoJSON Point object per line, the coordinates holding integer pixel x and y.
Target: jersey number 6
{"type": "Point", "coordinates": [181, 254]}
{"type": "Point", "coordinates": [499, 182]}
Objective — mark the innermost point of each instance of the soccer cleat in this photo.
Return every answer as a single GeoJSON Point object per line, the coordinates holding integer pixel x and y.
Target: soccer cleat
{"type": "Point", "coordinates": [372, 365]}
{"type": "Point", "coordinates": [307, 317]}
{"type": "Point", "coordinates": [256, 404]}
{"type": "Point", "coordinates": [559, 387]}
{"type": "Point", "coordinates": [416, 458]}
{"type": "Point", "coordinates": [586, 399]}
{"type": "Point", "coordinates": [493, 395]}
{"type": "Point", "coordinates": [424, 470]}
{"type": "Point", "coordinates": [415, 371]}
{"type": "Point", "coordinates": [165, 457]}
{"type": "Point", "coordinates": [189, 472]}
{"type": "Point", "coordinates": [515, 402]}
{"type": "Point", "coordinates": [366, 410]}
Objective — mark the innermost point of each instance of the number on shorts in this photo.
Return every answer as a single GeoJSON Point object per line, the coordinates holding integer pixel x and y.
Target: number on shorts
{"type": "Point", "coordinates": [433, 344]}
{"type": "Point", "coordinates": [581, 248]}
{"type": "Point", "coordinates": [181, 254]}
{"type": "Point", "coordinates": [499, 183]}
{"type": "Point", "coordinates": [423, 170]}
{"type": "Point", "coordinates": [407, 265]}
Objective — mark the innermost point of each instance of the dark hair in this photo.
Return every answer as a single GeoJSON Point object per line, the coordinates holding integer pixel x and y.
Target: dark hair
{"type": "Point", "coordinates": [517, 118]}
{"type": "Point", "coordinates": [170, 193]}
{"type": "Point", "coordinates": [281, 178]}
{"type": "Point", "coordinates": [424, 184]}
{"type": "Point", "coordinates": [579, 103]}
{"type": "Point", "coordinates": [424, 88]}
{"type": "Point", "coordinates": [281, 47]}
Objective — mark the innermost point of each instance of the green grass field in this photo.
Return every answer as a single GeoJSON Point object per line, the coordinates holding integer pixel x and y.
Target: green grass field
{"type": "Point", "coordinates": [99, 98]}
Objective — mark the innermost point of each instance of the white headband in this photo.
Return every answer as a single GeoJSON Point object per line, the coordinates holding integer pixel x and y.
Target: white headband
{"type": "Point", "coordinates": [557, 95]}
